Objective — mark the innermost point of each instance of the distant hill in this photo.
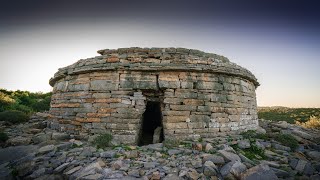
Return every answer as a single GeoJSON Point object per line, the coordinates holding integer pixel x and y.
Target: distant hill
{"type": "Point", "coordinates": [279, 113]}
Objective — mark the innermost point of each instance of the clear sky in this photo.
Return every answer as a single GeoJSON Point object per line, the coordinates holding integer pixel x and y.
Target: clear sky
{"type": "Point", "coordinates": [279, 41]}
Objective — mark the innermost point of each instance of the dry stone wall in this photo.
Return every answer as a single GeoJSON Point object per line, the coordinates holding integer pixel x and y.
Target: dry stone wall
{"type": "Point", "coordinates": [201, 94]}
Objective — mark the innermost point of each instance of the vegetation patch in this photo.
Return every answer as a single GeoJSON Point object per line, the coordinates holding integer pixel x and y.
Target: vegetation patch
{"type": "Point", "coordinates": [186, 144]}
{"type": "Point", "coordinates": [252, 135]}
{"type": "Point", "coordinates": [287, 140]}
{"type": "Point", "coordinates": [254, 152]}
{"type": "Point", "coordinates": [313, 122]}
{"type": "Point", "coordinates": [24, 101]}
{"type": "Point", "coordinates": [103, 140]}
{"type": "Point", "coordinates": [287, 114]}
{"type": "Point", "coordinates": [3, 137]}
{"type": "Point", "coordinates": [17, 106]}
{"type": "Point", "coordinates": [13, 116]}
{"type": "Point", "coordinates": [171, 143]}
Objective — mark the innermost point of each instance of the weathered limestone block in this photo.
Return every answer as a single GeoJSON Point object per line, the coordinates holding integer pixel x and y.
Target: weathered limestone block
{"type": "Point", "coordinates": [235, 117]}
{"type": "Point", "coordinates": [169, 80]}
{"type": "Point", "coordinates": [98, 115]}
{"type": "Point", "coordinates": [138, 81]}
{"type": "Point", "coordinates": [173, 100]}
{"type": "Point", "coordinates": [209, 85]}
{"type": "Point", "coordinates": [174, 119]}
{"type": "Point", "coordinates": [176, 113]}
{"type": "Point", "coordinates": [182, 125]}
{"type": "Point", "coordinates": [199, 118]}
{"type": "Point", "coordinates": [60, 86]}
{"type": "Point", "coordinates": [204, 96]}
{"type": "Point", "coordinates": [66, 105]}
{"type": "Point", "coordinates": [188, 76]}
{"type": "Point", "coordinates": [195, 102]}
{"type": "Point", "coordinates": [207, 77]}
{"type": "Point", "coordinates": [183, 107]}
{"type": "Point", "coordinates": [204, 108]}
{"type": "Point", "coordinates": [102, 85]}
{"type": "Point", "coordinates": [101, 95]}
{"type": "Point", "coordinates": [197, 125]}
{"type": "Point", "coordinates": [180, 93]}
{"type": "Point", "coordinates": [187, 84]}
{"type": "Point", "coordinates": [87, 120]}
{"type": "Point", "coordinates": [156, 135]}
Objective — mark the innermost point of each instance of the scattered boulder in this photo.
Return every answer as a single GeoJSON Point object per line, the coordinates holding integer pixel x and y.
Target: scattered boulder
{"type": "Point", "coordinates": [37, 173]}
{"type": "Point", "coordinates": [235, 168]}
{"type": "Point", "coordinates": [132, 154]}
{"type": "Point", "coordinates": [208, 147]}
{"type": "Point", "coordinates": [157, 135]}
{"type": "Point", "coordinates": [60, 136]}
{"type": "Point", "coordinates": [155, 147]}
{"type": "Point", "coordinates": [314, 155]}
{"type": "Point", "coordinates": [281, 147]}
{"type": "Point", "coordinates": [149, 165]}
{"type": "Point", "coordinates": [302, 134]}
{"type": "Point", "coordinates": [197, 146]}
{"type": "Point", "coordinates": [261, 172]}
{"type": "Point", "coordinates": [214, 158]}
{"type": "Point", "coordinates": [174, 151]}
{"type": "Point", "coordinates": [282, 124]}
{"type": "Point", "coordinates": [108, 154]}
{"type": "Point", "coordinates": [46, 149]}
{"type": "Point", "coordinates": [244, 144]}
{"type": "Point", "coordinates": [41, 137]}
{"type": "Point", "coordinates": [18, 141]}
{"type": "Point", "coordinates": [281, 173]}
{"type": "Point", "coordinates": [229, 156]}
{"type": "Point", "coordinates": [62, 167]}
{"type": "Point", "coordinates": [210, 169]}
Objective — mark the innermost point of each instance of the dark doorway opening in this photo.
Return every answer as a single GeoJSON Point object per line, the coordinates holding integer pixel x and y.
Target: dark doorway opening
{"type": "Point", "coordinates": [151, 131]}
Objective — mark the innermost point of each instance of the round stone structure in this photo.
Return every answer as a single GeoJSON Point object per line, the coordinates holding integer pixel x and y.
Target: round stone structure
{"type": "Point", "coordinates": [146, 95]}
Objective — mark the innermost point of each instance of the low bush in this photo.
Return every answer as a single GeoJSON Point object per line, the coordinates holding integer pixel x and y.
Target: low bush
{"type": "Point", "coordinates": [103, 140]}
{"type": "Point", "coordinates": [171, 143]}
{"type": "Point", "coordinates": [254, 152]}
{"type": "Point", "coordinates": [287, 140]}
{"type": "Point", "coordinates": [13, 116]}
{"type": "Point", "coordinates": [313, 122]}
{"type": "Point", "coordinates": [3, 137]}
{"type": "Point", "coordinates": [252, 135]}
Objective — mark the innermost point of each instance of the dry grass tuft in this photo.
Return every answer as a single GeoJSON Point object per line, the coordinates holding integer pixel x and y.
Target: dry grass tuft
{"type": "Point", "coordinates": [313, 122]}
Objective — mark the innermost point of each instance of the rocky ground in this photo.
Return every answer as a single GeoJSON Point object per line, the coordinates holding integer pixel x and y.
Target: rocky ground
{"type": "Point", "coordinates": [35, 152]}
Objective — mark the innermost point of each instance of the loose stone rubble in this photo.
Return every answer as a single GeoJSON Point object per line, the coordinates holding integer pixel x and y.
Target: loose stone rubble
{"type": "Point", "coordinates": [202, 95]}
{"type": "Point", "coordinates": [212, 158]}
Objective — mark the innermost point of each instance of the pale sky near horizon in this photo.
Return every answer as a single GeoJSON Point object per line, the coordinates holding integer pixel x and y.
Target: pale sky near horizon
{"type": "Point", "coordinates": [278, 43]}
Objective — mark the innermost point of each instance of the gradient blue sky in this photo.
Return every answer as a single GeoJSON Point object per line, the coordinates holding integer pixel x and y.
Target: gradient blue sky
{"type": "Point", "coordinates": [279, 41]}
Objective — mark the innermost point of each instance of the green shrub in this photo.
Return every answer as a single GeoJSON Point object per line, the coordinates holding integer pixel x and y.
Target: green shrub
{"type": "Point", "coordinates": [13, 116]}
{"type": "Point", "coordinates": [254, 152]}
{"type": "Point", "coordinates": [25, 101]}
{"type": "Point", "coordinates": [287, 140]}
{"type": "Point", "coordinates": [3, 137]}
{"type": "Point", "coordinates": [171, 143]}
{"type": "Point", "coordinates": [103, 140]}
{"type": "Point", "coordinates": [252, 135]}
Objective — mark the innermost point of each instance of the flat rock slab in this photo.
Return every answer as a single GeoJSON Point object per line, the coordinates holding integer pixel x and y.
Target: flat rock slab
{"type": "Point", "coordinates": [16, 152]}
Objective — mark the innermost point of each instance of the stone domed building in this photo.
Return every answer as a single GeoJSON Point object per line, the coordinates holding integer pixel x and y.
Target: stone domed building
{"type": "Point", "coordinates": [146, 95]}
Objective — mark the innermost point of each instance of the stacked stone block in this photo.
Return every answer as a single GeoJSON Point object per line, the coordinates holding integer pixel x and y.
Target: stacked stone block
{"type": "Point", "coordinates": [201, 94]}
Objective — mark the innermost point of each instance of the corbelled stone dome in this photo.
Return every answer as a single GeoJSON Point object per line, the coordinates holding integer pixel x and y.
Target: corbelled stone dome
{"type": "Point", "coordinates": [145, 95]}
